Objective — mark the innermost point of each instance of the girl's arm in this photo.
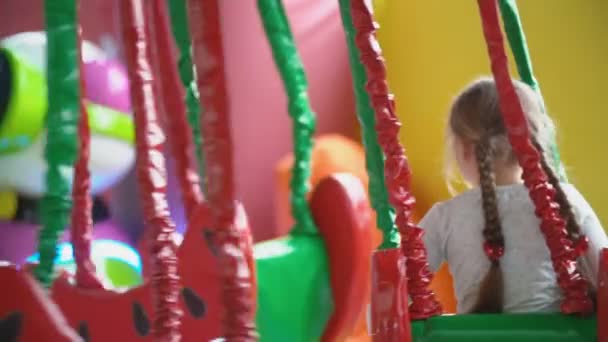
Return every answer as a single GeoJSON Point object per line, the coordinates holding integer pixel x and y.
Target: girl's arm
{"type": "Point", "coordinates": [434, 225]}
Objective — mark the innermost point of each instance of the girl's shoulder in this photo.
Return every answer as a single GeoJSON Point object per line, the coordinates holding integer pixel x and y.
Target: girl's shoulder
{"type": "Point", "coordinates": [580, 207]}
{"type": "Point", "coordinates": [514, 196]}
{"type": "Point", "coordinates": [463, 204]}
{"type": "Point", "coordinates": [511, 195]}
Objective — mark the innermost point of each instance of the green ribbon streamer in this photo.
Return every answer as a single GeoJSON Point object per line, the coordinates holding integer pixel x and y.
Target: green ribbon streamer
{"type": "Point", "coordinates": [374, 158]}
{"type": "Point", "coordinates": [291, 69]}
{"type": "Point", "coordinates": [179, 25]}
{"type": "Point", "coordinates": [62, 129]}
{"type": "Point", "coordinates": [519, 47]}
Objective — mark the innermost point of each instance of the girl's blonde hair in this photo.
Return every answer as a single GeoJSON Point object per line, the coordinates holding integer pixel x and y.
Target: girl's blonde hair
{"type": "Point", "coordinates": [476, 119]}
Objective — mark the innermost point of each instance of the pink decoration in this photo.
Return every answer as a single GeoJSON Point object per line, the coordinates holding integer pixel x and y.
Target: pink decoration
{"type": "Point", "coordinates": [107, 84]}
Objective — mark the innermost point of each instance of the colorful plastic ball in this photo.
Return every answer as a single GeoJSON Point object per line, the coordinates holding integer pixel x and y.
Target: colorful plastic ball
{"type": "Point", "coordinates": [117, 264]}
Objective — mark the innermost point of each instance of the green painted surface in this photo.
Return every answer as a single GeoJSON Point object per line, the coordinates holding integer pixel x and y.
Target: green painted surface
{"type": "Point", "coordinates": [506, 328]}
{"type": "Point", "coordinates": [294, 293]}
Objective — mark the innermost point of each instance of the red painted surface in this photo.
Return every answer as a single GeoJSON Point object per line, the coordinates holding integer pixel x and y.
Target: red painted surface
{"type": "Point", "coordinates": [41, 319]}
{"type": "Point", "coordinates": [397, 173]}
{"type": "Point", "coordinates": [341, 211]}
{"type": "Point", "coordinates": [602, 298]}
{"type": "Point", "coordinates": [205, 23]}
{"type": "Point", "coordinates": [109, 315]}
{"type": "Point", "coordinates": [82, 215]}
{"type": "Point", "coordinates": [390, 314]}
{"type": "Point", "coordinates": [261, 129]}
{"type": "Point", "coordinates": [151, 170]}
{"type": "Point", "coordinates": [99, 17]}
{"type": "Point", "coordinates": [173, 107]}
{"type": "Point", "coordinates": [342, 214]}
{"type": "Point", "coordinates": [563, 252]}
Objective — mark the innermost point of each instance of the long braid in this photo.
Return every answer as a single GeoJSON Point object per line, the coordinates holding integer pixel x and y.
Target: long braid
{"type": "Point", "coordinates": [491, 289]}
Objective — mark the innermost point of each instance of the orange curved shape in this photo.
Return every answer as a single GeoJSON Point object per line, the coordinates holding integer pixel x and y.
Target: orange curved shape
{"type": "Point", "coordinates": [331, 154]}
{"type": "Point", "coordinates": [443, 286]}
{"type": "Point", "coordinates": [334, 153]}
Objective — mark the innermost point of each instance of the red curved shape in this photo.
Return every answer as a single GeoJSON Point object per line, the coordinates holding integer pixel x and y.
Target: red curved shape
{"type": "Point", "coordinates": [110, 316]}
{"type": "Point", "coordinates": [37, 317]}
{"type": "Point", "coordinates": [342, 213]}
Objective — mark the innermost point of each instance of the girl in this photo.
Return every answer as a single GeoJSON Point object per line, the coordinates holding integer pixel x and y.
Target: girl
{"type": "Point", "coordinates": [498, 210]}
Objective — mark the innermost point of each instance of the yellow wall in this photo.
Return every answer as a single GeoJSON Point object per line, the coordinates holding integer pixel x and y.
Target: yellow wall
{"type": "Point", "coordinates": [434, 47]}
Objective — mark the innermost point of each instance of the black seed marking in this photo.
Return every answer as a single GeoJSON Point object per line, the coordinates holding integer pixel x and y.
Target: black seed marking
{"type": "Point", "coordinates": [195, 304]}
{"type": "Point", "coordinates": [140, 320]}
{"type": "Point", "coordinates": [209, 237]}
{"type": "Point", "coordinates": [83, 331]}
{"type": "Point", "coordinates": [10, 327]}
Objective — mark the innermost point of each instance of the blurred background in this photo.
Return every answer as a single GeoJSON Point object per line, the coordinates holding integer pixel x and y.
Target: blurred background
{"type": "Point", "coordinates": [432, 47]}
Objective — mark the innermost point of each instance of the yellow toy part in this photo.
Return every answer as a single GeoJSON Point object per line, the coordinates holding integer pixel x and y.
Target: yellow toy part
{"type": "Point", "coordinates": [434, 48]}
{"type": "Point", "coordinates": [8, 205]}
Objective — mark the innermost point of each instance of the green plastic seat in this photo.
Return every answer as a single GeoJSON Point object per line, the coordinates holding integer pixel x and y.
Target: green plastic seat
{"type": "Point", "coordinates": [292, 269]}
{"type": "Point", "coordinates": [506, 327]}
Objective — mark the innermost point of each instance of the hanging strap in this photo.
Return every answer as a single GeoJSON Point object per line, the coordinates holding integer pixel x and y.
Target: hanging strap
{"type": "Point", "coordinates": [519, 47]}
{"type": "Point", "coordinates": [61, 124]}
{"type": "Point", "coordinates": [173, 108]}
{"type": "Point", "coordinates": [239, 306]}
{"type": "Point", "coordinates": [292, 72]}
{"type": "Point", "coordinates": [151, 172]}
{"type": "Point", "coordinates": [82, 220]}
{"type": "Point", "coordinates": [374, 158]}
{"type": "Point", "coordinates": [396, 168]}
{"type": "Point", "coordinates": [517, 40]}
{"type": "Point", "coordinates": [569, 278]}
{"type": "Point", "coordinates": [179, 24]}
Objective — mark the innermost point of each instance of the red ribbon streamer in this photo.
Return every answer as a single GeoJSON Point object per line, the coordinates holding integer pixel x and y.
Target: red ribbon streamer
{"type": "Point", "coordinates": [151, 172]}
{"type": "Point", "coordinates": [82, 220]}
{"type": "Point", "coordinates": [563, 256]}
{"type": "Point", "coordinates": [397, 171]}
{"type": "Point", "coordinates": [239, 320]}
{"type": "Point", "coordinates": [174, 110]}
